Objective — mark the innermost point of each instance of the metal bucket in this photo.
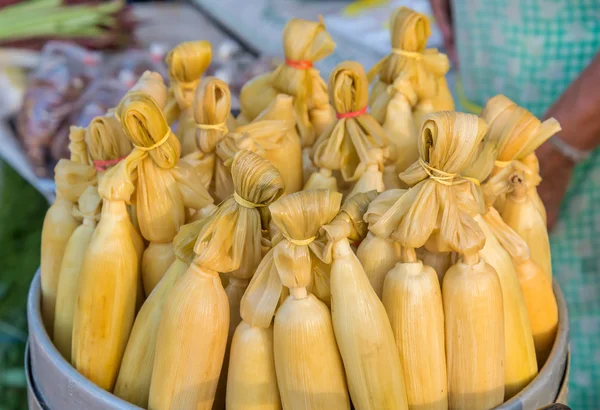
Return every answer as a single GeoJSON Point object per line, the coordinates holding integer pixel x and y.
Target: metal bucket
{"type": "Point", "coordinates": [60, 387]}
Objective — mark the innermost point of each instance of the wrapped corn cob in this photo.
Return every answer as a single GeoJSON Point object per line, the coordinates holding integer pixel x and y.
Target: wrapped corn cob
{"type": "Point", "coordinates": [378, 255]}
{"type": "Point", "coordinates": [135, 373]}
{"type": "Point", "coordinates": [164, 188]}
{"type": "Point", "coordinates": [409, 84]}
{"type": "Point", "coordinates": [472, 295]}
{"type": "Point", "coordinates": [362, 328]}
{"type": "Point", "coordinates": [230, 241]}
{"type": "Point", "coordinates": [107, 289]}
{"type": "Point", "coordinates": [88, 211]}
{"type": "Point", "coordinates": [273, 136]}
{"type": "Point", "coordinates": [355, 143]}
{"type": "Point", "coordinates": [536, 287]}
{"type": "Point", "coordinates": [72, 177]}
{"type": "Point", "coordinates": [212, 105]}
{"type": "Point", "coordinates": [302, 323]}
{"type": "Point", "coordinates": [186, 62]}
{"type": "Point", "coordinates": [518, 133]}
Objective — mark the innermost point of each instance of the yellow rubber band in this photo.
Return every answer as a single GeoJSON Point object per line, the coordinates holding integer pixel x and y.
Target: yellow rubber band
{"type": "Point", "coordinates": [246, 204]}
{"type": "Point", "coordinates": [409, 54]}
{"type": "Point", "coordinates": [155, 145]}
{"type": "Point", "coordinates": [219, 127]}
{"type": "Point", "coordinates": [300, 242]}
{"type": "Point", "coordinates": [445, 178]}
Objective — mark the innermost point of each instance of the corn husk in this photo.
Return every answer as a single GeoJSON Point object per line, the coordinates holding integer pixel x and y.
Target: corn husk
{"type": "Point", "coordinates": [518, 134]}
{"type": "Point", "coordinates": [72, 177]}
{"type": "Point", "coordinates": [377, 254]}
{"type": "Point", "coordinates": [196, 315]}
{"type": "Point", "coordinates": [135, 373]}
{"type": "Point", "coordinates": [413, 300]}
{"type": "Point", "coordinates": [356, 146]}
{"type": "Point", "coordinates": [164, 187]}
{"type": "Point", "coordinates": [362, 328]}
{"type": "Point", "coordinates": [257, 184]}
{"type": "Point", "coordinates": [535, 285]}
{"type": "Point", "coordinates": [474, 327]}
{"type": "Point", "coordinates": [273, 136]}
{"type": "Point", "coordinates": [436, 213]}
{"type": "Point", "coordinates": [409, 84]}
{"type": "Point", "coordinates": [186, 62]}
{"type": "Point", "coordinates": [66, 295]}
{"type": "Point", "coordinates": [303, 41]}
{"type": "Point", "coordinates": [212, 105]}
{"type": "Point", "coordinates": [302, 321]}
{"type": "Point", "coordinates": [521, 213]}
{"type": "Point", "coordinates": [107, 288]}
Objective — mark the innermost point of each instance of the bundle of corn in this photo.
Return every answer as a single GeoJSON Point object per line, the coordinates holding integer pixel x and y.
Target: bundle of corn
{"type": "Point", "coordinates": [186, 62]}
{"type": "Point", "coordinates": [66, 295]}
{"type": "Point", "coordinates": [474, 338]}
{"type": "Point", "coordinates": [72, 177]}
{"type": "Point", "coordinates": [355, 144]}
{"type": "Point", "coordinates": [302, 322]}
{"type": "Point", "coordinates": [518, 133]}
{"type": "Point", "coordinates": [273, 136]}
{"type": "Point", "coordinates": [410, 84]}
{"type": "Point", "coordinates": [362, 329]}
{"type": "Point", "coordinates": [212, 106]}
{"type": "Point", "coordinates": [304, 43]}
{"type": "Point", "coordinates": [164, 187]}
{"type": "Point", "coordinates": [520, 213]}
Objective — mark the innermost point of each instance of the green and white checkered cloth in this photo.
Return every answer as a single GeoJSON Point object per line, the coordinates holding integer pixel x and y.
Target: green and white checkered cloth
{"type": "Point", "coordinates": [531, 50]}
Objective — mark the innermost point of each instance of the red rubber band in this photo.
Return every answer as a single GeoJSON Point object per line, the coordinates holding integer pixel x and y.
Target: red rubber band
{"type": "Point", "coordinates": [299, 64]}
{"type": "Point", "coordinates": [103, 165]}
{"type": "Point", "coordinates": [351, 114]}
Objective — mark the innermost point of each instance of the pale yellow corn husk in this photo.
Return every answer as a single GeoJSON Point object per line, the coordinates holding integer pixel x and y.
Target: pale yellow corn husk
{"type": "Point", "coordinates": [378, 254]}
{"type": "Point", "coordinates": [303, 41]}
{"type": "Point", "coordinates": [66, 295]}
{"type": "Point", "coordinates": [413, 300]}
{"type": "Point", "coordinates": [107, 292]}
{"type": "Point", "coordinates": [520, 362]}
{"type": "Point", "coordinates": [133, 381]}
{"type": "Point", "coordinates": [321, 179]}
{"type": "Point", "coordinates": [474, 329]}
{"type": "Point", "coordinates": [535, 285]}
{"type": "Point", "coordinates": [186, 62]}
{"type": "Point", "coordinates": [356, 145]}
{"type": "Point", "coordinates": [212, 105]}
{"type": "Point", "coordinates": [439, 261]}
{"type": "Point", "coordinates": [436, 212]}
{"type": "Point", "coordinates": [164, 187]}
{"type": "Point", "coordinates": [518, 134]}
{"type": "Point", "coordinates": [106, 140]}
{"type": "Point", "coordinates": [362, 328]}
{"type": "Point", "coordinates": [229, 241]}
{"type": "Point", "coordinates": [273, 136]}
{"type": "Point", "coordinates": [409, 84]}
{"type": "Point", "coordinates": [251, 381]}
{"type": "Point", "coordinates": [72, 177]}
{"type": "Point", "coordinates": [302, 321]}
{"type": "Point", "coordinates": [153, 84]}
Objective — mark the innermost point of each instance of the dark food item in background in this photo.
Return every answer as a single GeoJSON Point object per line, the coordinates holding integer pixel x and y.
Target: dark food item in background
{"type": "Point", "coordinates": [63, 75]}
{"type": "Point", "coordinates": [131, 65]}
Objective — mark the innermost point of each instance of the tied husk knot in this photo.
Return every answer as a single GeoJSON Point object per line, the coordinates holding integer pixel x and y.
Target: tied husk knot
{"type": "Point", "coordinates": [351, 143]}
{"type": "Point", "coordinates": [187, 62]}
{"type": "Point", "coordinates": [448, 142]}
{"type": "Point", "coordinates": [229, 240]}
{"type": "Point", "coordinates": [89, 205]}
{"type": "Point", "coordinates": [212, 105]}
{"type": "Point", "coordinates": [106, 140]}
{"type": "Point", "coordinates": [296, 252]}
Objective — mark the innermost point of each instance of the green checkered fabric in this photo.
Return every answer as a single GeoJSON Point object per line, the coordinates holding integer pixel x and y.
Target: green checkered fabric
{"type": "Point", "coordinates": [531, 50]}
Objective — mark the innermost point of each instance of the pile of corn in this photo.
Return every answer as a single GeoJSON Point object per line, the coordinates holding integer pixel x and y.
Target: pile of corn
{"type": "Point", "coordinates": [377, 251]}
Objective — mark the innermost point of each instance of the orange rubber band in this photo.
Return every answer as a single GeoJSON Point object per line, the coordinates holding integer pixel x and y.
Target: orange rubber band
{"type": "Point", "coordinates": [299, 64]}
{"type": "Point", "coordinates": [351, 114]}
{"type": "Point", "coordinates": [103, 165]}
